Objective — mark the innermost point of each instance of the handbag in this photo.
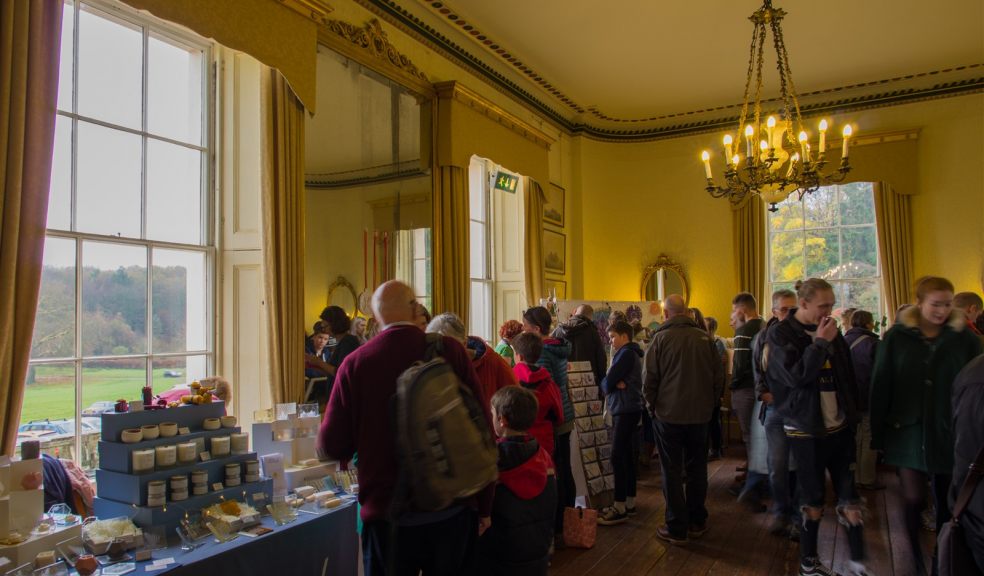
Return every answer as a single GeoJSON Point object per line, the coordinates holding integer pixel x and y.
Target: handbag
{"type": "Point", "coordinates": [580, 527]}
{"type": "Point", "coordinates": [955, 555]}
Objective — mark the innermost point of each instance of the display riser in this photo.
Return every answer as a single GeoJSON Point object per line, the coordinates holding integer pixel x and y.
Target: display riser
{"type": "Point", "coordinates": [294, 450]}
{"type": "Point", "coordinates": [170, 515]}
{"type": "Point", "coordinates": [26, 551]}
{"type": "Point", "coordinates": [189, 416]}
{"type": "Point", "coordinates": [131, 489]}
{"type": "Point", "coordinates": [118, 456]}
{"type": "Point", "coordinates": [310, 476]}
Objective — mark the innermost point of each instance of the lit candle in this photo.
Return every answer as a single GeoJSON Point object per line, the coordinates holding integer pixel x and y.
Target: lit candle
{"type": "Point", "coordinates": [808, 157]}
{"type": "Point", "coordinates": [823, 136]}
{"type": "Point", "coordinates": [792, 165]}
{"type": "Point", "coordinates": [847, 134]}
{"type": "Point", "coordinates": [749, 132]}
{"type": "Point", "coordinates": [728, 140]}
{"type": "Point", "coordinates": [802, 141]}
{"type": "Point", "coordinates": [770, 124]}
{"type": "Point", "coordinates": [706, 157]}
{"type": "Point", "coordinates": [736, 159]}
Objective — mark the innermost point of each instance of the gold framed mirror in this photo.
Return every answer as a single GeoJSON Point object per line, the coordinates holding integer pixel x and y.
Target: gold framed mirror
{"type": "Point", "coordinates": [345, 298]}
{"type": "Point", "coordinates": [662, 278]}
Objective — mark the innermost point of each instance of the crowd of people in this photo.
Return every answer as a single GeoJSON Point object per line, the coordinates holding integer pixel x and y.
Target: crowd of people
{"type": "Point", "coordinates": [811, 397]}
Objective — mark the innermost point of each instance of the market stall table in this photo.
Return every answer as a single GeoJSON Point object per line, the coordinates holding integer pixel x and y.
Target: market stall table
{"type": "Point", "coordinates": [324, 543]}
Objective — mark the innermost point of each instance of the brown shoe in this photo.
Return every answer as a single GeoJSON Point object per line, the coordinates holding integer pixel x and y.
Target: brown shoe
{"type": "Point", "coordinates": [663, 533]}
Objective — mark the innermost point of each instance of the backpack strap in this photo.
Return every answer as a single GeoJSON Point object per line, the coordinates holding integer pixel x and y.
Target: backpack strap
{"type": "Point", "coordinates": [858, 341]}
{"type": "Point", "coordinates": [974, 475]}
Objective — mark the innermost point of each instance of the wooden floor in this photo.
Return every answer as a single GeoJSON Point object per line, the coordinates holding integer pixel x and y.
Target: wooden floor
{"type": "Point", "coordinates": [737, 541]}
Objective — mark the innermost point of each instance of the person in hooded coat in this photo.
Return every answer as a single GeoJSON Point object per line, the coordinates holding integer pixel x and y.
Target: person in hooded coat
{"type": "Point", "coordinates": [518, 541]}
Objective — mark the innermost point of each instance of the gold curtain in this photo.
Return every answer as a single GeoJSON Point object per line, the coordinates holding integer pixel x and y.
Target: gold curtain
{"type": "Point", "coordinates": [748, 225]}
{"type": "Point", "coordinates": [451, 246]}
{"type": "Point", "coordinates": [31, 37]}
{"type": "Point", "coordinates": [893, 217]}
{"type": "Point", "coordinates": [267, 30]}
{"type": "Point", "coordinates": [283, 235]}
{"type": "Point", "coordinates": [534, 242]}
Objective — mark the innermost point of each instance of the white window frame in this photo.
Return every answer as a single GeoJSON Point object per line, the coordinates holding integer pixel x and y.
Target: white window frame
{"type": "Point", "coordinates": [149, 26]}
{"type": "Point", "coordinates": [839, 227]}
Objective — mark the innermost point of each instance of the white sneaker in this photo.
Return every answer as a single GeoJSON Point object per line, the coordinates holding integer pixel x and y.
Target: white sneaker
{"type": "Point", "coordinates": [813, 567]}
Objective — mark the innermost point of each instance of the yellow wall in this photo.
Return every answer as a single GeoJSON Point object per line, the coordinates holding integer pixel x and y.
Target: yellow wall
{"type": "Point", "coordinates": [640, 200]}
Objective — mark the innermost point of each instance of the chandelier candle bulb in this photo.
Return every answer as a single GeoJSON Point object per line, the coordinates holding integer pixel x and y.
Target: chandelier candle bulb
{"type": "Point", "coordinates": [792, 165]}
{"type": "Point", "coordinates": [735, 160]}
{"type": "Point", "coordinates": [749, 133]}
{"type": "Point", "coordinates": [823, 137]}
{"type": "Point", "coordinates": [728, 140]}
{"type": "Point", "coordinates": [847, 135]}
{"type": "Point", "coordinates": [706, 157]}
{"type": "Point", "coordinates": [770, 124]}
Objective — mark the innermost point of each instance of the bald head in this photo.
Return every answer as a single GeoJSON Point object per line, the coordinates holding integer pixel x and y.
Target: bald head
{"type": "Point", "coordinates": [674, 305]}
{"type": "Point", "coordinates": [394, 302]}
{"type": "Point", "coordinates": [584, 310]}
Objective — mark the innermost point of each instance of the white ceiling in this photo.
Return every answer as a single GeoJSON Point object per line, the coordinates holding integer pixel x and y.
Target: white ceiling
{"type": "Point", "coordinates": [639, 59]}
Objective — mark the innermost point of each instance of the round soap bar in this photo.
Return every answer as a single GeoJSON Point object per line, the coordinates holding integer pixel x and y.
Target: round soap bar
{"type": "Point", "coordinates": [166, 455]}
{"type": "Point", "coordinates": [169, 429]}
{"type": "Point", "coordinates": [150, 431]}
{"type": "Point", "coordinates": [211, 424]}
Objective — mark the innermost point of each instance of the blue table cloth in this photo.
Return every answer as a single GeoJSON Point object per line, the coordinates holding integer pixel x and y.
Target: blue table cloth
{"type": "Point", "coordinates": [313, 544]}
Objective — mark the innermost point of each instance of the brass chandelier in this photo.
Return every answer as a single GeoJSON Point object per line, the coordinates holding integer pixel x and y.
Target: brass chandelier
{"type": "Point", "coordinates": [778, 156]}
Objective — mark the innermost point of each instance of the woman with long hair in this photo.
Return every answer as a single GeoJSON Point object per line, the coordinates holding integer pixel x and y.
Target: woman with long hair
{"type": "Point", "coordinates": [911, 415]}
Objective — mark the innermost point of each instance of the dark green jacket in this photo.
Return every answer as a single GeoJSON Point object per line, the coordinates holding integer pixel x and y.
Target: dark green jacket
{"type": "Point", "coordinates": [911, 416]}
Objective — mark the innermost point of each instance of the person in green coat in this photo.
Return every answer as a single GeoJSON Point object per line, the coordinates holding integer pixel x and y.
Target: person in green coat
{"type": "Point", "coordinates": [911, 415]}
{"type": "Point", "coordinates": [508, 330]}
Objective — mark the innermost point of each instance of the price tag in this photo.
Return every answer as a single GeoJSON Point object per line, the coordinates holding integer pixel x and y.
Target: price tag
{"type": "Point", "coordinates": [205, 456]}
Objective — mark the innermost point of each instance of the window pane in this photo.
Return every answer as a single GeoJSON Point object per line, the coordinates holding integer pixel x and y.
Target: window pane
{"type": "Point", "coordinates": [481, 309]}
{"type": "Point", "coordinates": [60, 192]}
{"type": "Point", "coordinates": [65, 64]}
{"type": "Point", "coordinates": [476, 192]}
{"type": "Point", "coordinates": [860, 252]}
{"type": "Point", "coordinates": [862, 294]}
{"type": "Point", "coordinates": [103, 383]}
{"type": "Point", "coordinates": [174, 91]}
{"type": "Point", "coordinates": [478, 253]}
{"type": "Point", "coordinates": [179, 301]}
{"type": "Point", "coordinates": [174, 193]}
{"type": "Point", "coordinates": [54, 321]}
{"type": "Point", "coordinates": [174, 372]}
{"type": "Point", "coordinates": [787, 256]}
{"type": "Point", "coordinates": [114, 299]}
{"type": "Point", "coordinates": [821, 208]}
{"type": "Point", "coordinates": [48, 411]}
{"type": "Point", "coordinates": [108, 186]}
{"type": "Point", "coordinates": [857, 205]}
{"type": "Point", "coordinates": [789, 215]}
{"type": "Point", "coordinates": [110, 69]}
{"type": "Point", "coordinates": [822, 253]}
{"type": "Point", "coordinates": [421, 278]}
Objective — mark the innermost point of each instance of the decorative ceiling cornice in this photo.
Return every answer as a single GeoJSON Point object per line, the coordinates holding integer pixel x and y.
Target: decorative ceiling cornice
{"type": "Point", "coordinates": [371, 46]}
{"type": "Point", "coordinates": [475, 101]}
{"type": "Point", "coordinates": [955, 81]}
{"type": "Point", "coordinates": [316, 10]}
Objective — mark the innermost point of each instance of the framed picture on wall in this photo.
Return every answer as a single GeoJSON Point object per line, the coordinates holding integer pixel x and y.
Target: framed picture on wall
{"type": "Point", "coordinates": [553, 206]}
{"type": "Point", "coordinates": [555, 287]}
{"type": "Point", "coordinates": [554, 252]}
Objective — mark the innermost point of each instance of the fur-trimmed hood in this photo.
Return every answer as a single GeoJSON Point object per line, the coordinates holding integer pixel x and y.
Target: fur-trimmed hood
{"type": "Point", "coordinates": [910, 319]}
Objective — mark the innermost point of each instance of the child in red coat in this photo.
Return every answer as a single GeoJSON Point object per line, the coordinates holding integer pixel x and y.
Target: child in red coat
{"type": "Point", "coordinates": [527, 348]}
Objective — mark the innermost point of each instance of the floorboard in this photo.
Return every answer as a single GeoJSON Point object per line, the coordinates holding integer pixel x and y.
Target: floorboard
{"type": "Point", "coordinates": [738, 542]}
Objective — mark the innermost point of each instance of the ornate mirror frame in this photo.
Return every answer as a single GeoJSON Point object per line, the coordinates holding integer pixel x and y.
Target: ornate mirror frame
{"type": "Point", "coordinates": [341, 282]}
{"type": "Point", "coordinates": [664, 263]}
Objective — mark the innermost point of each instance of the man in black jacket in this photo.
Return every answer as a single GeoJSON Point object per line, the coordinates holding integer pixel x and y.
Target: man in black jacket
{"type": "Point", "coordinates": [585, 340]}
{"type": "Point", "coordinates": [968, 405]}
{"type": "Point", "coordinates": [811, 378]}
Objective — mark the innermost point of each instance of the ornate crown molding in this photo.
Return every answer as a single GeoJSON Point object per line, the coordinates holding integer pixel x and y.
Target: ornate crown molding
{"type": "Point", "coordinates": [370, 45]}
{"type": "Point", "coordinates": [475, 101]}
{"type": "Point", "coordinates": [595, 124]}
{"type": "Point", "coordinates": [314, 9]}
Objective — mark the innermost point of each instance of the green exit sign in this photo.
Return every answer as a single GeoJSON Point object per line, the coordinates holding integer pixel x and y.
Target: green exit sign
{"type": "Point", "coordinates": [506, 181]}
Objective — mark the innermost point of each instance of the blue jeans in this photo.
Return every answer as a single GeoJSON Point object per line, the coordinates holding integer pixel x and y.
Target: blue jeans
{"type": "Point", "coordinates": [781, 481]}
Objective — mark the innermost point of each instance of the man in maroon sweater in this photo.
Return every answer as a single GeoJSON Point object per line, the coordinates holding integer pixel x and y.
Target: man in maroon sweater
{"type": "Point", "coordinates": [358, 419]}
